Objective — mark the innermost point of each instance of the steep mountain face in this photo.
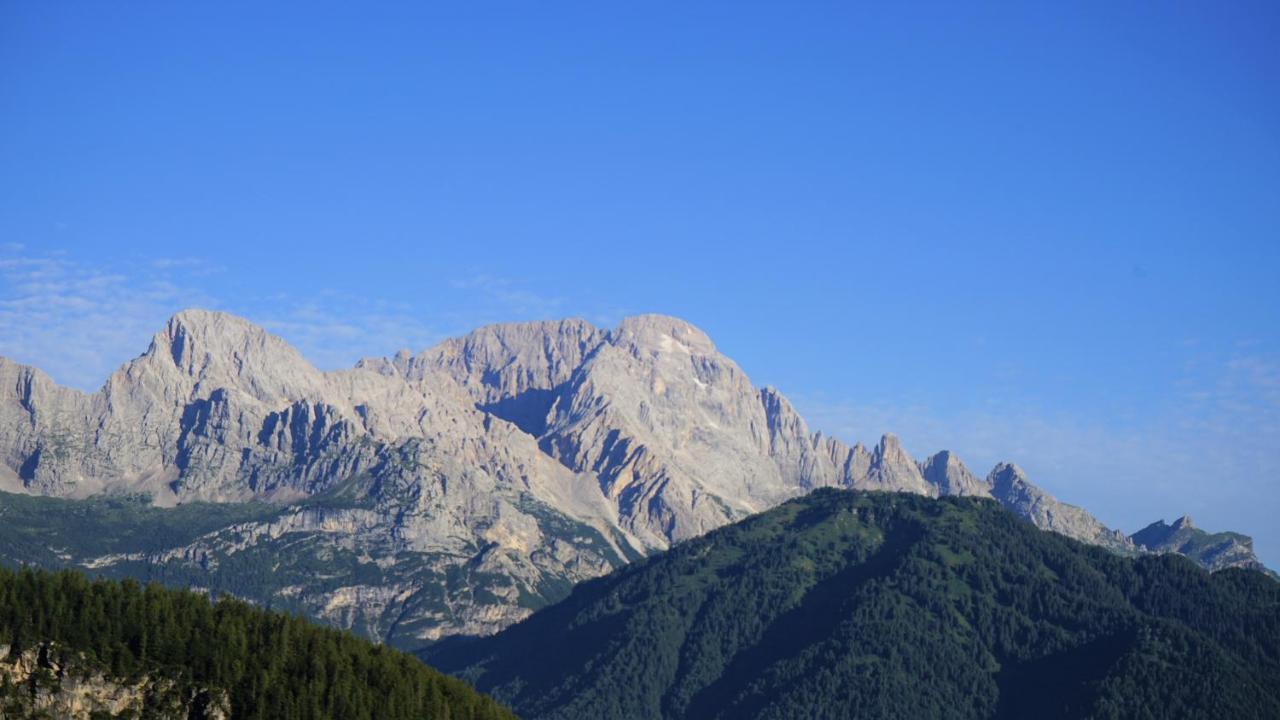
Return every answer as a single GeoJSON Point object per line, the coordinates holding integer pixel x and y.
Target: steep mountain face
{"type": "Point", "coordinates": [454, 490]}
{"type": "Point", "coordinates": [1009, 486]}
{"type": "Point", "coordinates": [946, 472]}
{"type": "Point", "coordinates": [674, 433]}
{"type": "Point", "coordinates": [847, 604]}
{"type": "Point", "coordinates": [1215, 551]}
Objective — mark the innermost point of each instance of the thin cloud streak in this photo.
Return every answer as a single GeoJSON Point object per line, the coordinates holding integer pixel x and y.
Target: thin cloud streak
{"type": "Point", "coordinates": [80, 323]}
{"type": "Point", "coordinates": [507, 296]}
{"type": "Point", "coordinates": [334, 331]}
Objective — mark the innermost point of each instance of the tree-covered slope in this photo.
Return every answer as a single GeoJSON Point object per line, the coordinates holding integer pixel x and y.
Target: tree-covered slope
{"type": "Point", "coordinates": [61, 631]}
{"type": "Point", "coordinates": [870, 605]}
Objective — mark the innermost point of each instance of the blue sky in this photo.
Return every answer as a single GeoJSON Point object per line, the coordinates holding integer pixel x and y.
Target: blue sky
{"type": "Point", "coordinates": [1048, 234]}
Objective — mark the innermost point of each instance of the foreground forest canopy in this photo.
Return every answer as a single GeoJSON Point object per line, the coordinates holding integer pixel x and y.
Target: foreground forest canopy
{"type": "Point", "coordinates": [881, 605]}
{"type": "Point", "coordinates": [257, 664]}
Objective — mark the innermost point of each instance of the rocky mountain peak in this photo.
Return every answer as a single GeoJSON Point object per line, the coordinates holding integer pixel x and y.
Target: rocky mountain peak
{"type": "Point", "coordinates": [208, 332]}
{"type": "Point", "coordinates": [889, 447]}
{"type": "Point", "coordinates": [890, 467]}
{"type": "Point", "coordinates": [217, 349]}
{"type": "Point", "coordinates": [945, 470]}
{"type": "Point", "coordinates": [1213, 550]}
{"type": "Point", "coordinates": [497, 362]}
{"type": "Point", "coordinates": [1007, 474]}
{"type": "Point", "coordinates": [946, 458]}
{"type": "Point", "coordinates": [662, 334]}
{"type": "Point", "coordinates": [1010, 486]}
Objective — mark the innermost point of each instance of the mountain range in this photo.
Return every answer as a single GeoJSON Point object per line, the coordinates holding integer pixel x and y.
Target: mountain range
{"type": "Point", "coordinates": [452, 491]}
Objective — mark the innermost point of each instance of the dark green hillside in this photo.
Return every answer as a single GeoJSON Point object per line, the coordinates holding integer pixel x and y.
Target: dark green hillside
{"type": "Point", "coordinates": [870, 605]}
{"type": "Point", "coordinates": [267, 665]}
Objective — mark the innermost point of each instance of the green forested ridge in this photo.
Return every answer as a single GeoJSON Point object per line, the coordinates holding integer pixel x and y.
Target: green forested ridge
{"type": "Point", "coordinates": [871, 605]}
{"type": "Point", "coordinates": [272, 666]}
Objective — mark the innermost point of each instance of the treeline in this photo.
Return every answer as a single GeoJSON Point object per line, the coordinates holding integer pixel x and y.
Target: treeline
{"type": "Point", "coordinates": [271, 666]}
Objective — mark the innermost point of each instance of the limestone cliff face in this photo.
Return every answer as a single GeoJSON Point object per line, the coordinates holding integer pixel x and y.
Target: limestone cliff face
{"type": "Point", "coordinates": [946, 472]}
{"type": "Point", "coordinates": [673, 432]}
{"type": "Point", "coordinates": [519, 364]}
{"type": "Point", "coordinates": [1215, 551]}
{"type": "Point", "coordinates": [46, 681]}
{"type": "Point", "coordinates": [1009, 485]}
{"type": "Point", "coordinates": [527, 455]}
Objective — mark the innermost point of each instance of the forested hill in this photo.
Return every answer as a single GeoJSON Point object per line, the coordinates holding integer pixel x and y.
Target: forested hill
{"type": "Point", "coordinates": [844, 604]}
{"type": "Point", "coordinates": [74, 647]}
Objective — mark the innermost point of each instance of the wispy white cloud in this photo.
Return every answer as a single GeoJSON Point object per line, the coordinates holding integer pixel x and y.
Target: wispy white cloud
{"type": "Point", "coordinates": [334, 330]}
{"type": "Point", "coordinates": [78, 322]}
{"type": "Point", "coordinates": [509, 297]}
{"type": "Point", "coordinates": [194, 265]}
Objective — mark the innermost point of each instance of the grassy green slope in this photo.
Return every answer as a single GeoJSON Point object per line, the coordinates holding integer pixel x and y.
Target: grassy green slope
{"type": "Point", "coordinates": [843, 605]}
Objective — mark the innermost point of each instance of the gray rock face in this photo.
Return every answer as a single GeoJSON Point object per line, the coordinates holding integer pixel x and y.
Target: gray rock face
{"type": "Point", "coordinates": [946, 472]}
{"type": "Point", "coordinates": [1215, 551]}
{"type": "Point", "coordinates": [528, 455]}
{"type": "Point", "coordinates": [1009, 486]}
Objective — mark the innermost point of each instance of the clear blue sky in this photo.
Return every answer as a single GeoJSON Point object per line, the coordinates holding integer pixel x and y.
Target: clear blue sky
{"type": "Point", "coordinates": [1048, 234]}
